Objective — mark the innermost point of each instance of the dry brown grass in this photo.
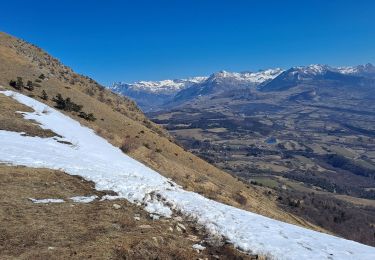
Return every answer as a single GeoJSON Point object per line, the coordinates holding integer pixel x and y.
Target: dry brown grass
{"type": "Point", "coordinates": [10, 120]}
{"type": "Point", "coordinates": [118, 120]}
{"type": "Point", "coordinates": [80, 231]}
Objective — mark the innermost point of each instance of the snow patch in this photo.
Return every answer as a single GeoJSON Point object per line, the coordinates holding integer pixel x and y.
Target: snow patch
{"type": "Point", "coordinates": [46, 201]}
{"type": "Point", "coordinates": [94, 159]}
{"type": "Point", "coordinates": [84, 199]}
{"type": "Point", "coordinates": [198, 247]}
{"type": "Point", "coordinates": [110, 197]}
{"type": "Point", "coordinates": [157, 208]}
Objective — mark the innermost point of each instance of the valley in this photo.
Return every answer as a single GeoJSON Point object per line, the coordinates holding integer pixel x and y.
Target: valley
{"type": "Point", "coordinates": [311, 143]}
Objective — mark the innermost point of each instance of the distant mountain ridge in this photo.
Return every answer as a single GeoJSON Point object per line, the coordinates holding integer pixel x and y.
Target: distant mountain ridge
{"type": "Point", "coordinates": [158, 87]}
{"type": "Point", "coordinates": [153, 95]}
{"type": "Point", "coordinates": [321, 75]}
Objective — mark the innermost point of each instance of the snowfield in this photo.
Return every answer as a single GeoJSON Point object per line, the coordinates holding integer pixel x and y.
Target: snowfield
{"type": "Point", "coordinates": [46, 201]}
{"type": "Point", "coordinates": [93, 158]}
{"type": "Point", "coordinates": [84, 199]}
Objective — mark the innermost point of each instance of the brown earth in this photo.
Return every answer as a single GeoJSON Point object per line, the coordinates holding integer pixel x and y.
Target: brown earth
{"type": "Point", "coordinates": [10, 120]}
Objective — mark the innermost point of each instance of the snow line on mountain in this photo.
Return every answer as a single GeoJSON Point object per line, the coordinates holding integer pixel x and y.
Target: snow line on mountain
{"type": "Point", "coordinates": [94, 159]}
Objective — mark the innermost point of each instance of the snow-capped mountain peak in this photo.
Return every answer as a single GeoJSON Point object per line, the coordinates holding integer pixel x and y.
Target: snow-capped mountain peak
{"type": "Point", "coordinates": [311, 70]}
{"type": "Point", "coordinates": [263, 75]}
{"type": "Point", "coordinates": [367, 69]}
{"type": "Point", "coordinates": [157, 87]}
{"type": "Point", "coordinates": [316, 69]}
{"type": "Point", "coordinates": [169, 86]}
{"type": "Point", "coordinates": [347, 70]}
{"type": "Point", "coordinates": [151, 95]}
{"type": "Point", "coordinates": [246, 77]}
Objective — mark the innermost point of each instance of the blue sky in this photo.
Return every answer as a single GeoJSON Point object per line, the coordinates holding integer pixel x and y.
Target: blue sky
{"type": "Point", "coordinates": [112, 40]}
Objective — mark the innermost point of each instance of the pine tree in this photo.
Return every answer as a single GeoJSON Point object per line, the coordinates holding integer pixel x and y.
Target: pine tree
{"type": "Point", "coordinates": [19, 84]}
{"type": "Point", "coordinates": [60, 102]}
{"type": "Point", "coordinates": [30, 85]}
{"type": "Point", "coordinates": [44, 95]}
{"type": "Point", "coordinates": [90, 117]}
{"type": "Point", "coordinates": [13, 83]}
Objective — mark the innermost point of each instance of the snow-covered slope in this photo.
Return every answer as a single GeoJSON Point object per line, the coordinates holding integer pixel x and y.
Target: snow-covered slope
{"type": "Point", "coordinates": [93, 158]}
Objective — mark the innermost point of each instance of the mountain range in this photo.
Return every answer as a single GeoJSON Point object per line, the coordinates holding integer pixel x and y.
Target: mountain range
{"type": "Point", "coordinates": [156, 95]}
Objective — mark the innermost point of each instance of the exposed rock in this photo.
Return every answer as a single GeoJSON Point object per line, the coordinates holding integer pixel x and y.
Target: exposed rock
{"type": "Point", "coordinates": [116, 206]}
{"type": "Point", "coordinates": [181, 226]}
{"type": "Point", "coordinates": [199, 247]}
{"type": "Point", "coordinates": [178, 219]}
{"type": "Point", "coordinates": [145, 226]}
{"type": "Point", "coordinates": [154, 217]}
{"type": "Point", "coordinates": [193, 238]}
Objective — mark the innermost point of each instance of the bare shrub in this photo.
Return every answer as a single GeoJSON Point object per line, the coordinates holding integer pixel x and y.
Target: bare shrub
{"type": "Point", "coordinates": [128, 145]}
{"type": "Point", "coordinates": [238, 197]}
{"type": "Point", "coordinates": [215, 240]}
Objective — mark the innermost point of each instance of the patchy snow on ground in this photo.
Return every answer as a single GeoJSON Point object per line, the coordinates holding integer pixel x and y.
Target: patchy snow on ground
{"type": "Point", "coordinates": [94, 159]}
{"type": "Point", "coordinates": [46, 201]}
{"type": "Point", "coordinates": [198, 247]}
{"type": "Point", "coordinates": [84, 199]}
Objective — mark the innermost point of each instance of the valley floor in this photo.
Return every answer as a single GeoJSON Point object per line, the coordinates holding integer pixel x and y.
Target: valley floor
{"type": "Point", "coordinates": [316, 156]}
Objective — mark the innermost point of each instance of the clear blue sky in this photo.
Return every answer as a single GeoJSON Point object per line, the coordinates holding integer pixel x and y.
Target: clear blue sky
{"type": "Point", "coordinates": [113, 40]}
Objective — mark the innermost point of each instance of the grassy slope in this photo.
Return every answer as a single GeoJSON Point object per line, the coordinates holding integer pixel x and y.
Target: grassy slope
{"type": "Point", "coordinates": [81, 231]}
{"type": "Point", "coordinates": [119, 121]}
{"type": "Point", "coordinates": [78, 231]}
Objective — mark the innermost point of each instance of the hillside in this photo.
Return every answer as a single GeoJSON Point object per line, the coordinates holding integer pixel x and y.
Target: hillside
{"type": "Point", "coordinates": [64, 216]}
{"type": "Point", "coordinates": [78, 151]}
